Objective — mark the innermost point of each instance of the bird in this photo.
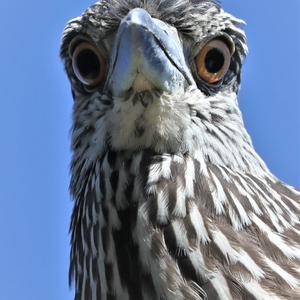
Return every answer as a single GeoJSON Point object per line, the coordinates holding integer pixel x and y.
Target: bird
{"type": "Point", "coordinates": [171, 200]}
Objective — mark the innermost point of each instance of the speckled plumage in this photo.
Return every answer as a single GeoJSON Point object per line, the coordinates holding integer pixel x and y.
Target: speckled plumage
{"type": "Point", "coordinates": [171, 200]}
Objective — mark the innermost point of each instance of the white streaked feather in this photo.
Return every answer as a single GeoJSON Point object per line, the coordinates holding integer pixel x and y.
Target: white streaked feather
{"type": "Point", "coordinates": [180, 207]}
{"type": "Point", "coordinates": [274, 219]}
{"type": "Point", "coordinates": [154, 173]}
{"type": "Point", "coordinates": [224, 245]}
{"type": "Point", "coordinates": [255, 289]}
{"type": "Point", "coordinates": [220, 284]}
{"type": "Point", "coordinates": [162, 207]}
{"type": "Point", "coordinates": [290, 251]}
{"type": "Point", "coordinates": [296, 204]}
{"type": "Point", "coordinates": [248, 194]}
{"type": "Point", "coordinates": [288, 278]}
{"type": "Point", "coordinates": [189, 178]}
{"type": "Point", "coordinates": [181, 234]}
{"type": "Point", "coordinates": [218, 195]}
{"type": "Point", "coordinates": [166, 167]}
{"type": "Point", "coordinates": [243, 215]}
{"type": "Point", "coordinates": [234, 219]}
{"type": "Point", "coordinates": [250, 265]}
{"type": "Point", "coordinates": [198, 263]}
{"type": "Point", "coordinates": [296, 230]}
{"type": "Point", "coordinates": [198, 223]}
{"type": "Point", "coordinates": [198, 155]}
{"type": "Point", "coordinates": [224, 174]}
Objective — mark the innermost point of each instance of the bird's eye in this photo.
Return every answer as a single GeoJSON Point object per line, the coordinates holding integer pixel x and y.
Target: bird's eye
{"type": "Point", "coordinates": [89, 65]}
{"type": "Point", "coordinates": [213, 61]}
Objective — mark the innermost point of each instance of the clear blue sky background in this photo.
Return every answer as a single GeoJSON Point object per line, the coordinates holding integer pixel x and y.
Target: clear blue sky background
{"type": "Point", "coordinates": [35, 119]}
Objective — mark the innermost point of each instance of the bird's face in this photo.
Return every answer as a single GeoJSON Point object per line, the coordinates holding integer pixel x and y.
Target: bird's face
{"type": "Point", "coordinates": [159, 75]}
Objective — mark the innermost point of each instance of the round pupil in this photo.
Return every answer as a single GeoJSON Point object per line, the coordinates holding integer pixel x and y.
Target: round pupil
{"type": "Point", "coordinates": [88, 64]}
{"type": "Point", "coordinates": [214, 60]}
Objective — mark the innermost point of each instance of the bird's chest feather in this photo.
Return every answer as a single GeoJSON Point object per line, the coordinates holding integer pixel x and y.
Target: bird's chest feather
{"type": "Point", "coordinates": [156, 226]}
{"type": "Point", "coordinates": [105, 253]}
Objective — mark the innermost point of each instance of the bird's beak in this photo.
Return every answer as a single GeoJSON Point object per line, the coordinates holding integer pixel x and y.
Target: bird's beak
{"type": "Point", "coordinates": [147, 54]}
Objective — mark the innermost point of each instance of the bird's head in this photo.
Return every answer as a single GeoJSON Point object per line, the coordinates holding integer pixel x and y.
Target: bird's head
{"type": "Point", "coordinates": [159, 75]}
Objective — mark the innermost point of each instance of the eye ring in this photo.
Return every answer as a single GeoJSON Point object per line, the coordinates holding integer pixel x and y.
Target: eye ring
{"type": "Point", "coordinates": [213, 60]}
{"type": "Point", "coordinates": [89, 64]}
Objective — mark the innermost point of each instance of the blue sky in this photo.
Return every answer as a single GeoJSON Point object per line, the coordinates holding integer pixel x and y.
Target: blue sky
{"type": "Point", "coordinates": [36, 116]}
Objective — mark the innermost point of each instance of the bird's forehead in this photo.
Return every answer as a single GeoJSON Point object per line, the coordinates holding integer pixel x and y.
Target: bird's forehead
{"type": "Point", "coordinates": [194, 18]}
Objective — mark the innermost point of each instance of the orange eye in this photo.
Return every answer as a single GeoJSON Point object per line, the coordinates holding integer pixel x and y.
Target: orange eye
{"type": "Point", "coordinates": [88, 64]}
{"type": "Point", "coordinates": [213, 61]}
